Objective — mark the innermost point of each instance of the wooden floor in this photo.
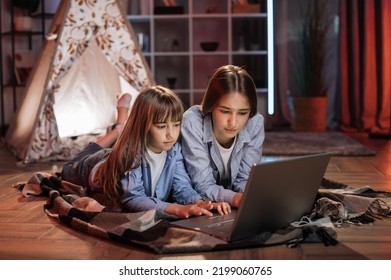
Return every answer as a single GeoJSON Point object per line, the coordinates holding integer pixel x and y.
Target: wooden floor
{"type": "Point", "coordinates": [26, 232]}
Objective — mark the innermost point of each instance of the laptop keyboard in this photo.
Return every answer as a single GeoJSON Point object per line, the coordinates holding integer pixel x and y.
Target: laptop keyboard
{"type": "Point", "coordinates": [222, 226]}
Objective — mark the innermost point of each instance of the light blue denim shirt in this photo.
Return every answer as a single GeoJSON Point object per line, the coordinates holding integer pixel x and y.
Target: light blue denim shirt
{"type": "Point", "coordinates": [203, 160]}
{"type": "Point", "coordinates": [173, 185]}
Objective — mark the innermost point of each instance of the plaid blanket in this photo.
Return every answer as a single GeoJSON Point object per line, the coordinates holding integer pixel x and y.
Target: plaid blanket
{"type": "Point", "coordinates": [152, 230]}
{"type": "Point", "coordinates": [343, 203]}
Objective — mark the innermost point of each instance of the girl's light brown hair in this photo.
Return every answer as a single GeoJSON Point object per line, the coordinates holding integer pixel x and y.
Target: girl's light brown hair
{"type": "Point", "coordinates": [152, 105]}
{"type": "Point", "coordinates": [227, 79]}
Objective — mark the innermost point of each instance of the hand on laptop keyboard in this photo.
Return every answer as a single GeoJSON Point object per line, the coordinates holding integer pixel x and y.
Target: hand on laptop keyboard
{"type": "Point", "coordinates": [223, 208]}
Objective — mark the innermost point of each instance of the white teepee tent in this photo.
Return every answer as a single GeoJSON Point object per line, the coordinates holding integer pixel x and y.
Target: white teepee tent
{"type": "Point", "coordinates": [90, 55]}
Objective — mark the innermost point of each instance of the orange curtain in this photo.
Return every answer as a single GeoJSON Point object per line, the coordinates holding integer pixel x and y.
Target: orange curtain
{"type": "Point", "coordinates": [366, 65]}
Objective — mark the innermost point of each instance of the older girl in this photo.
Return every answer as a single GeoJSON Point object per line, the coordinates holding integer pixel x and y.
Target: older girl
{"type": "Point", "coordinates": [222, 138]}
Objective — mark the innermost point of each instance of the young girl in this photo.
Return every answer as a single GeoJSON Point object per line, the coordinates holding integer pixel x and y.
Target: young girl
{"type": "Point", "coordinates": [144, 170]}
{"type": "Point", "coordinates": [222, 138]}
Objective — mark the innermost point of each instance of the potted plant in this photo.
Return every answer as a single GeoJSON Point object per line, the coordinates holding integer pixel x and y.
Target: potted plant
{"type": "Point", "coordinates": [309, 63]}
{"type": "Point", "coordinates": [24, 8]}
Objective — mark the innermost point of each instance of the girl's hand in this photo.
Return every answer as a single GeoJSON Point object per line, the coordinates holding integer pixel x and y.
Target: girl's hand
{"type": "Point", "coordinates": [223, 208]}
{"type": "Point", "coordinates": [237, 199]}
{"type": "Point", "coordinates": [185, 211]}
{"type": "Point", "coordinates": [208, 205]}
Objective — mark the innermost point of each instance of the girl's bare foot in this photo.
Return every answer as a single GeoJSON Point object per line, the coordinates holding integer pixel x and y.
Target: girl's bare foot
{"type": "Point", "coordinates": [124, 101]}
{"type": "Point", "coordinates": [123, 105]}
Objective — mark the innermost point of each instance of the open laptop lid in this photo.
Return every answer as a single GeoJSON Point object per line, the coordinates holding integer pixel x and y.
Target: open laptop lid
{"type": "Point", "coordinates": [278, 193]}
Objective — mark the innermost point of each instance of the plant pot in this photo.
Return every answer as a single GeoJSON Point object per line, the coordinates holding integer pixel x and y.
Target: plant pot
{"type": "Point", "coordinates": [308, 113]}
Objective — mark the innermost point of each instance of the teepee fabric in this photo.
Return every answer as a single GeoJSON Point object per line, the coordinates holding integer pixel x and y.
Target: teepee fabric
{"type": "Point", "coordinates": [89, 54]}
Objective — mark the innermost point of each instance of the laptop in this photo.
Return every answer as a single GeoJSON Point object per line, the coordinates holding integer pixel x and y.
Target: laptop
{"type": "Point", "coordinates": [277, 193]}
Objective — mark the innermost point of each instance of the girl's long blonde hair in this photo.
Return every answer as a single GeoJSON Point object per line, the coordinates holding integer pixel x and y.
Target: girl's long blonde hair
{"type": "Point", "coordinates": [152, 105]}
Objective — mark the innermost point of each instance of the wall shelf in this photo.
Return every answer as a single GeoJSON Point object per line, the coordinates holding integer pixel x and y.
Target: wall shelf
{"type": "Point", "coordinates": [13, 43]}
{"type": "Point", "coordinates": [242, 41]}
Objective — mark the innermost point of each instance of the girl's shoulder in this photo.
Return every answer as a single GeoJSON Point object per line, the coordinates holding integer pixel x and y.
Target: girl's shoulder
{"type": "Point", "coordinates": [255, 124]}
{"type": "Point", "coordinates": [257, 119]}
{"type": "Point", "coordinates": [194, 112]}
{"type": "Point", "coordinates": [193, 119]}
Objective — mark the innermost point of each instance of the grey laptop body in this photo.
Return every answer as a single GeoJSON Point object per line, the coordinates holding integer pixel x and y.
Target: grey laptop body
{"type": "Point", "coordinates": [277, 193]}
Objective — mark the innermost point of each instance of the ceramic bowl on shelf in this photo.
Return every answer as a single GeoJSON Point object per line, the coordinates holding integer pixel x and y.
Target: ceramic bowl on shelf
{"type": "Point", "coordinates": [209, 46]}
